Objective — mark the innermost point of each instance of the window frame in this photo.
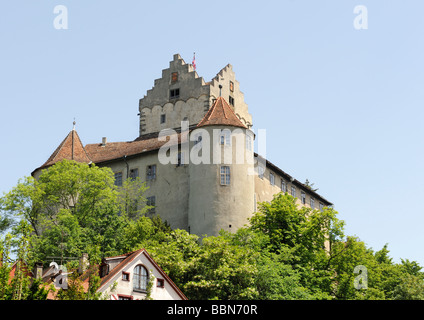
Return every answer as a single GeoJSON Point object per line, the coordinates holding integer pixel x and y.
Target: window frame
{"type": "Point", "coordinates": [293, 191]}
{"type": "Point", "coordinates": [303, 197]}
{"type": "Point", "coordinates": [174, 93]}
{"type": "Point", "coordinates": [120, 178]}
{"type": "Point", "coordinates": [225, 175]}
{"type": "Point", "coordinates": [160, 283]}
{"type": "Point", "coordinates": [272, 179]}
{"type": "Point", "coordinates": [283, 185]}
{"type": "Point", "coordinates": [131, 174]}
{"type": "Point", "coordinates": [149, 174]}
{"type": "Point", "coordinates": [125, 276]}
{"type": "Point", "coordinates": [138, 278]}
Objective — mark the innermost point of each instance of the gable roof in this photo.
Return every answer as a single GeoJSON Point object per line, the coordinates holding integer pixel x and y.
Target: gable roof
{"type": "Point", "coordinates": [128, 258]}
{"type": "Point", "coordinates": [221, 114]}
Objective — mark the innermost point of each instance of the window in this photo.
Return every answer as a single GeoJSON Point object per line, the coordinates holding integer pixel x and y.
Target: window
{"type": "Point", "coordinates": [271, 179]}
{"type": "Point", "coordinates": [231, 86]}
{"type": "Point", "coordinates": [231, 100]}
{"type": "Point", "coordinates": [104, 270]}
{"type": "Point", "coordinates": [151, 172]}
{"type": "Point", "coordinates": [124, 297]}
{"type": "Point", "coordinates": [118, 179]}
{"type": "Point", "coordinates": [225, 175]}
{"type": "Point", "coordinates": [160, 283]}
{"type": "Point", "coordinates": [248, 142]}
{"type": "Point", "coordinates": [125, 276]}
{"type": "Point", "coordinates": [140, 278]}
{"type": "Point", "coordinates": [321, 206]}
{"type": "Point", "coordinates": [174, 76]}
{"type": "Point", "coordinates": [151, 201]}
{"type": "Point", "coordinates": [225, 138]}
{"type": "Point", "coordinates": [133, 174]}
{"type": "Point", "coordinates": [283, 186]}
{"type": "Point", "coordinates": [174, 93]}
{"type": "Point", "coordinates": [312, 203]}
{"type": "Point", "coordinates": [261, 171]}
{"type": "Point", "coordinates": [293, 191]}
{"type": "Point", "coordinates": [162, 118]}
{"type": "Point", "coordinates": [303, 197]}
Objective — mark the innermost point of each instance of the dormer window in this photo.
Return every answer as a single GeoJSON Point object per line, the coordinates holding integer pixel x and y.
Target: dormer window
{"type": "Point", "coordinates": [104, 270]}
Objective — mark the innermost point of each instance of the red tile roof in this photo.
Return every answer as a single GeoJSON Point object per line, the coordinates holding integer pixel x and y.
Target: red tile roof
{"type": "Point", "coordinates": [71, 148]}
{"type": "Point", "coordinates": [221, 114]}
{"type": "Point", "coordinates": [117, 150]}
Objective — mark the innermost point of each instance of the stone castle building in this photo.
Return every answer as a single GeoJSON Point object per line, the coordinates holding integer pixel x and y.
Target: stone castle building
{"type": "Point", "coordinates": [195, 153]}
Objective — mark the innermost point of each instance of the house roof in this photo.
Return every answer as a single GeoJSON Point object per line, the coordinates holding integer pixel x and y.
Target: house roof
{"type": "Point", "coordinates": [128, 258]}
{"type": "Point", "coordinates": [117, 150]}
{"type": "Point", "coordinates": [221, 114]}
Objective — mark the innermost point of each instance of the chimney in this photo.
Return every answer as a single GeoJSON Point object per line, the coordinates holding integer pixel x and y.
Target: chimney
{"type": "Point", "coordinates": [104, 141]}
{"type": "Point", "coordinates": [83, 263]}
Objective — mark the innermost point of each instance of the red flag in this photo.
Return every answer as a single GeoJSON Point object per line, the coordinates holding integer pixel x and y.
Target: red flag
{"type": "Point", "coordinates": [194, 61]}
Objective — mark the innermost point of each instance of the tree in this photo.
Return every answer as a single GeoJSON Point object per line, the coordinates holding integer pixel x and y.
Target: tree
{"type": "Point", "coordinates": [75, 208]}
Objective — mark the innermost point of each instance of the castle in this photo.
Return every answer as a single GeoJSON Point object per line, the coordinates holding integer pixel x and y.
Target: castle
{"type": "Point", "coordinates": [195, 153]}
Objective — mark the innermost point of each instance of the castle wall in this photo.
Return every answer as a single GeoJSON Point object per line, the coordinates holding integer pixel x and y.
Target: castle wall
{"type": "Point", "coordinates": [170, 187]}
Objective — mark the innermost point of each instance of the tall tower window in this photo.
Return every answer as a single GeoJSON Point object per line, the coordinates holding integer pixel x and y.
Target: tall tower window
{"type": "Point", "coordinates": [174, 77]}
{"type": "Point", "coordinates": [231, 86]}
{"type": "Point", "coordinates": [231, 100]}
{"type": "Point", "coordinates": [225, 175]}
{"type": "Point", "coordinates": [162, 118]}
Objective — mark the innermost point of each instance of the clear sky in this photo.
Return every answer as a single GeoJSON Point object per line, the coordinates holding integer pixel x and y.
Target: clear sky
{"type": "Point", "coordinates": [342, 107]}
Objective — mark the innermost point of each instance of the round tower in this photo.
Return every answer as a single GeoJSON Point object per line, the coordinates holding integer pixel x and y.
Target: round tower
{"type": "Point", "coordinates": [221, 194]}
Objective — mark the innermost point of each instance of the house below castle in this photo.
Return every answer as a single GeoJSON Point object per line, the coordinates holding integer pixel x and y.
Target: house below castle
{"type": "Point", "coordinates": [195, 153]}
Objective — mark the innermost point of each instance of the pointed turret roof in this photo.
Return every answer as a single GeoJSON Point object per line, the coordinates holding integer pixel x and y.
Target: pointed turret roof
{"type": "Point", "coordinates": [221, 114]}
{"type": "Point", "coordinates": [71, 148]}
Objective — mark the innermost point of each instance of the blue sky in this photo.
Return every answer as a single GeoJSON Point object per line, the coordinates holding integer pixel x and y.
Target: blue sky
{"type": "Point", "coordinates": [342, 107]}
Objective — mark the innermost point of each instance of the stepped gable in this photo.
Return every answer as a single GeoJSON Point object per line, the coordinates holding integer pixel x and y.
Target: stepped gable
{"type": "Point", "coordinates": [221, 114]}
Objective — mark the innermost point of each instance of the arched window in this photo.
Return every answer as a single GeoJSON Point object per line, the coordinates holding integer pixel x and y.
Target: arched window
{"type": "Point", "coordinates": [140, 278]}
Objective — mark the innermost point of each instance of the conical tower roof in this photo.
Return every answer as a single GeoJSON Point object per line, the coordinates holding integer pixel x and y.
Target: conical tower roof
{"type": "Point", "coordinates": [221, 114]}
{"type": "Point", "coordinates": [71, 148]}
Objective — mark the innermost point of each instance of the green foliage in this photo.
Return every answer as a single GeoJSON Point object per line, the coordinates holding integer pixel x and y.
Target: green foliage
{"type": "Point", "coordinates": [287, 252]}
